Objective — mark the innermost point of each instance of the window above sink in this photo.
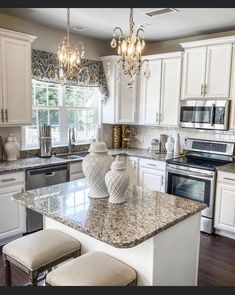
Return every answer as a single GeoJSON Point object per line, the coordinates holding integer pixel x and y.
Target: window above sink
{"type": "Point", "coordinates": [62, 107]}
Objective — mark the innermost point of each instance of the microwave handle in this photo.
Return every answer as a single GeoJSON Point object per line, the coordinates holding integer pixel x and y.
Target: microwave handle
{"type": "Point", "coordinates": [212, 116]}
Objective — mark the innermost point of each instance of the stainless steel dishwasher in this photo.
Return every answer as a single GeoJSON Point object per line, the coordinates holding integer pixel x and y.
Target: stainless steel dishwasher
{"type": "Point", "coordinates": [41, 177]}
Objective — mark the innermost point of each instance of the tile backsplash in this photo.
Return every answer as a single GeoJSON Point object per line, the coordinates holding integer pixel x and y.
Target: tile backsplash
{"type": "Point", "coordinates": [145, 134]}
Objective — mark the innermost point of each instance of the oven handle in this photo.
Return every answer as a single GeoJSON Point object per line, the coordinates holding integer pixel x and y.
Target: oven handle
{"type": "Point", "coordinates": [191, 174]}
{"type": "Point", "coordinates": [212, 114]}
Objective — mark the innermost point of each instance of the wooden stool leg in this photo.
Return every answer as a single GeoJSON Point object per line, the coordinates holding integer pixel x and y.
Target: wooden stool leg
{"type": "Point", "coordinates": [33, 278]}
{"type": "Point", "coordinates": [7, 270]}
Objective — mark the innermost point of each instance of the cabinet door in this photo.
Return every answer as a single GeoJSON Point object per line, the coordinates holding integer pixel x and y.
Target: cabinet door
{"type": "Point", "coordinates": [16, 72]}
{"type": "Point", "coordinates": [194, 68]}
{"type": "Point", "coordinates": [1, 90]}
{"type": "Point", "coordinates": [12, 217]}
{"type": "Point", "coordinates": [218, 70]}
{"type": "Point", "coordinates": [150, 93]}
{"type": "Point", "coordinates": [151, 179]}
{"type": "Point", "coordinates": [108, 114]}
{"type": "Point", "coordinates": [126, 99]}
{"type": "Point", "coordinates": [132, 169]}
{"type": "Point", "coordinates": [170, 91]}
{"type": "Point", "coordinates": [225, 207]}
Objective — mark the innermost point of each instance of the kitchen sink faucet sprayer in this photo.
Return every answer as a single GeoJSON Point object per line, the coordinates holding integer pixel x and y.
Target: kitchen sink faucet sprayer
{"type": "Point", "coordinates": [71, 139]}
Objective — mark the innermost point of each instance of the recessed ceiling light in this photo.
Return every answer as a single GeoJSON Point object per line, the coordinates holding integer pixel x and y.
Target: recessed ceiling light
{"type": "Point", "coordinates": [145, 26]}
{"type": "Point", "coordinates": [79, 28]}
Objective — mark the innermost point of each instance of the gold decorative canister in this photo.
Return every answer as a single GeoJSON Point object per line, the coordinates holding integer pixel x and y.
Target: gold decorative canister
{"type": "Point", "coordinates": [117, 136]}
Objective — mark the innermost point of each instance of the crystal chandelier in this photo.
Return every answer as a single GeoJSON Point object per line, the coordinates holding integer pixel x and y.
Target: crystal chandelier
{"type": "Point", "coordinates": [130, 49]}
{"type": "Point", "coordinates": [70, 58]}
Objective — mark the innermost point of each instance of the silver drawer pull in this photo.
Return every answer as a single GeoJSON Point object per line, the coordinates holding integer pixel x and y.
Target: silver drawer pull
{"type": "Point", "coordinates": [227, 178]}
{"type": "Point", "coordinates": [152, 165]}
{"type": "Point", "coordinates": [9, 179]}
{"type": "Point", "coordinates": [50, 174]}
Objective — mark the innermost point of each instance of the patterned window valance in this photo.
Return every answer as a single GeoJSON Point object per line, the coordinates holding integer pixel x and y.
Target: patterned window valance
{"type": "Point", "coordinates": [45, 67]}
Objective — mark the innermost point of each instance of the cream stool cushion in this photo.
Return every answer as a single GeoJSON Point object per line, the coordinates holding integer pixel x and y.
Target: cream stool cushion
{"type": "Point", "coordinates": [40, 248]}
{"type": "Point", "coordinates": [92, 269]}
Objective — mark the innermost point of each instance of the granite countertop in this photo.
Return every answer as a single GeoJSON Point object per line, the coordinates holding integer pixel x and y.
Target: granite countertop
{"type": "Point", "coordinates": [30, 163]}
{"type": "Point", "coordinates": [145, 214]}
{"type": "Point", "coordinates": [142, 153]}
{"type": "Point", "coordinates": [37, 162]}
{"type": "Point", "coordinates": [230, 168]}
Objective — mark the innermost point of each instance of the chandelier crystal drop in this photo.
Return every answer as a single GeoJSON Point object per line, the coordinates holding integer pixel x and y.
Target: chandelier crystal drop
{"type": "Point", "coordinates": [70, 58]}
{"type": "Point", "coordinates": [130, 49]}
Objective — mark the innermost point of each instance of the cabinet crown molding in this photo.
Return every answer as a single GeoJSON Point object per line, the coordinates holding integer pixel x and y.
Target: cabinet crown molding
{"type": "Point", "coordinates": [17, 35]}
{"type": "Point", "coordinates": [164, 55]}
{"type": "Point", "coordinates": [212, 41]}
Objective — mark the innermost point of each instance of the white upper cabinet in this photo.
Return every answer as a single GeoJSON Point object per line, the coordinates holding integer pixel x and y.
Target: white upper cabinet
{"type": "Point", "coordinates": [120, 107]}
{"type": "Point", "coordinates": [15, 78]}
{"type": "Point", "coordinates": [207, 68]}
{"type": "Point", "coordinates": [150, 93]}
{"type": "Point", "coordinates": [219, 58]}
{"type": "Point", "coordinates": [194, 72]}
{"type": "Point", "coordinates": [126, 100]}
{"type": "Point", "coordinates": [159, 94]}
{"type": "Point", "coordinates": [170, 91]}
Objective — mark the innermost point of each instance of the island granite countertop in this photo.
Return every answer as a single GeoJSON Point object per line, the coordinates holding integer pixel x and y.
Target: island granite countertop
{"type": "Point", "coordinates": [145, 214]}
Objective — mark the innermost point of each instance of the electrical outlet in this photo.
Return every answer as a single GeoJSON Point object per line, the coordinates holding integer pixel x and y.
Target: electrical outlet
{"type": "Point", "coordinates": [106, 137]}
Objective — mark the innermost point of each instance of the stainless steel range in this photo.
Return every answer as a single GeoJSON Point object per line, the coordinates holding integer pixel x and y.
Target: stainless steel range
{"type": "Point", "coordinates": [194, 176]}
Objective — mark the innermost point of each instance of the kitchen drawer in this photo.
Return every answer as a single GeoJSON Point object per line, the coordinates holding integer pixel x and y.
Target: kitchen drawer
{"type": "Point", "coordinates": [226, 177]}
{"type": "Point", "coordinates": [11, 179]}
{"type": "Point", "coordinates": [152, 164]}
{"type": "Point", "coordinates": [75, 167]}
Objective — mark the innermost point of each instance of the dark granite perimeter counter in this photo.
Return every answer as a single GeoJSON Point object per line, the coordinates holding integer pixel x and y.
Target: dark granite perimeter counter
{"type": "Point", "coordinates": [144, 215]}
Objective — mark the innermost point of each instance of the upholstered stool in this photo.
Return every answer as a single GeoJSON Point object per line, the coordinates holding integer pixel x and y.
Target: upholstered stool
{"type": "Point", "coordinates": [39, 252]}
{"type": "Point", "coordinates": [92, 269]}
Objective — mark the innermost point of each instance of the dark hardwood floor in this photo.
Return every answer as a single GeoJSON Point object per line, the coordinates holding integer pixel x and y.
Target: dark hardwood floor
{"type": "Point", "coordinates": [216, 265]}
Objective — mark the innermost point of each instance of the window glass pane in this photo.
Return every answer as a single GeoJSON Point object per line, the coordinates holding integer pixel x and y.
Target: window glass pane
{"type": "Point", "coordinates": [54, 117]}
{"type": "Point", "coordinates": [53, 96]}
{"type": "Point", "coordinates": [31, 135]}
{"type": "Point", "coordinates": [85, 124]}
{"type": "Point", "coordinates": [71, 119]}
{"type": "Point", "coordinates": [41, 96]}
{"type": "Point", "coordinates": [69, 96]}
{"type": "Point", "coordinates": [55, 134]}
{"type": "Point", "coordinates": [42, 117]}
{"type": "Point", "coordinates": [34, 118]}
{"type": "Point", "coordinates": [85, 96]}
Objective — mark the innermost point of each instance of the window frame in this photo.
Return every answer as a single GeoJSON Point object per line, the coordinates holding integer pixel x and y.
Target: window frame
{"type": "Point", "coordinates": [63, 115]}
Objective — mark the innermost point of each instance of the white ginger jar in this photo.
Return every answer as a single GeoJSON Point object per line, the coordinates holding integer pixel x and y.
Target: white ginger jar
{"type": "Point", "coordinates": [12, 148]}
{"type": "Point", "coordinates": [95, 166]}
{"type": "Point", "coordinates": [117, 181]}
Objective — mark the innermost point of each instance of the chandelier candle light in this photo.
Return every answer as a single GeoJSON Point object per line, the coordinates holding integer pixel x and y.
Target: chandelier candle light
{"type": "Point", "coordinates": [130, 49]}
{"type": "Point", "coordinates": [69, 58]}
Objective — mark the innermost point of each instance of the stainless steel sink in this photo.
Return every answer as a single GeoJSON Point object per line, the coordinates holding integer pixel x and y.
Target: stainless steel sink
{"type": "Point", "coordinates": [72, 157]}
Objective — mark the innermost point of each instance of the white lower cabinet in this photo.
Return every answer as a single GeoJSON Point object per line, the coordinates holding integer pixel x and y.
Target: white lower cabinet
{"type": "Point", "coordinates": [152, 175]}
{"type": "Point", "coordinates": [12, 214]}
{"type": "Point", "coordinates": [225, 204]}
{"type": "Point", "coordinates": [75, 171]}
{"type": "Point", "coordinates": [132, 169]}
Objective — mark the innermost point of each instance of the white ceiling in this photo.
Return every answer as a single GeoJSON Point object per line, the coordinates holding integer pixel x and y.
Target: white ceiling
{"type": "Point", "coordinates": [101, 21]}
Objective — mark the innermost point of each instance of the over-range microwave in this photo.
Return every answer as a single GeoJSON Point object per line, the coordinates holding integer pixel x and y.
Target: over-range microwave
{"type": "Point", "coordinates": [205, 114]}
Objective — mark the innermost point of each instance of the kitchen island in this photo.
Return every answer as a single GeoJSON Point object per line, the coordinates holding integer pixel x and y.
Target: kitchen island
{"type": "Point", "coordinates": [155, 233]}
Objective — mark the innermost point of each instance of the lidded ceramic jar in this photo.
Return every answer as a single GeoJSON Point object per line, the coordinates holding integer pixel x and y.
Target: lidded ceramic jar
{"type": "Point", "coordinates": [117, 181]}
{"type": "Point", "coordinates": [12, 148]}
{"type": "Point", "coordinates": [95, 166]}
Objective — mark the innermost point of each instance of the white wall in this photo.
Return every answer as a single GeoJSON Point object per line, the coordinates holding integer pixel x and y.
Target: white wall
{"type": "Point", "coordinates": [145, 134]}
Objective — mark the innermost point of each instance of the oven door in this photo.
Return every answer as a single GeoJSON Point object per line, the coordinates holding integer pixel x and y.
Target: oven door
{"type": "Point", "coordinates": [207, 114]}
{"type": "Point", "coordinates": [193, 186]}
